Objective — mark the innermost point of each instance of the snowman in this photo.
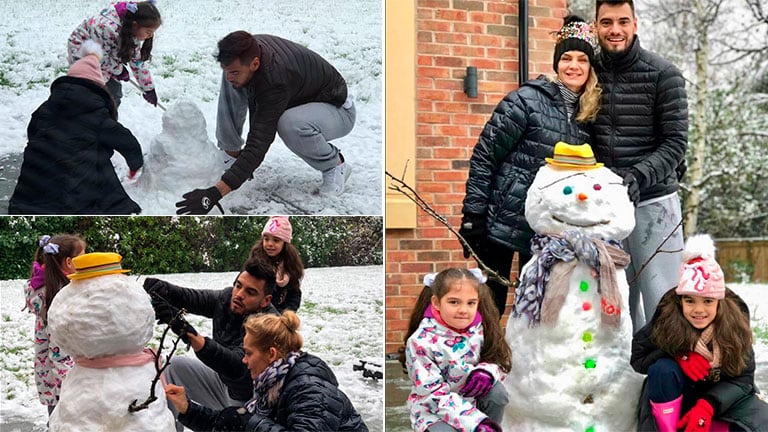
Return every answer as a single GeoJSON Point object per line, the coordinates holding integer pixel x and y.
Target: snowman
{"type": "Point", "coordinates": [179, 157]}
{"type": "Point", "coordinates": [103, 319]}
{"type": "Point", "coordinates": [570, 329]}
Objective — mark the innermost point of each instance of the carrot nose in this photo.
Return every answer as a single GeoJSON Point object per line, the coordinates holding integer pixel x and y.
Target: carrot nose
{"type": "Point", "coordinates": [582, 196]}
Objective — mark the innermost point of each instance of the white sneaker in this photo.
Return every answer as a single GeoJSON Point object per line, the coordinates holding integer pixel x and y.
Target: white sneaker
{"type": "Point", "coordinates": [335, 178]}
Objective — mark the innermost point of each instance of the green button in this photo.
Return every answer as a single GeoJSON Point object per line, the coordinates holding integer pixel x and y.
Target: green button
{"type": "Point", "coordinates": [590, 363]}
{"type": "Point", "coordinates": [583, 286]}
{"type": "Point", "coordinates": [586, 337]}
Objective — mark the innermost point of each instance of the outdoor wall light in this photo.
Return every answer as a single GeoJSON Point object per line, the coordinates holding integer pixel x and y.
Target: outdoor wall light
{"type": "Point", "coordinates": [470, 82]}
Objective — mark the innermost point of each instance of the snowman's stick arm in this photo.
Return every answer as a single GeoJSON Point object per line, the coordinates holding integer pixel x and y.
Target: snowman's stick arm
{"type": "Point", "coordinates": [133, 407]}
{"type": "Point", "coordinates": [159, 105]}
{"type": "Point", "coordinates": [399, 185]}
{"type": "Point", "coordinates": [658, 251]}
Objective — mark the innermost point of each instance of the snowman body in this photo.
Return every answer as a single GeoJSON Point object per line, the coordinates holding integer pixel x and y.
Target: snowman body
{"type": "Point", "coordinates": [180, 156]}
{"type": "Point", "coordinates": [573, 373]}
{"type": "Point", "coordinates": [104, 318]}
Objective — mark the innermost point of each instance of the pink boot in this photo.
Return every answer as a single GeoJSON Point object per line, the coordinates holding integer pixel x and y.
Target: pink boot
{"type": "Point", "coordinates": [718, 426]}
{"type": "Point", "coordinates": [667, 414]}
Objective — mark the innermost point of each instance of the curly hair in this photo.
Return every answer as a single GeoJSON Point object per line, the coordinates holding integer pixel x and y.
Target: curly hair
{"type": "Point", "coordinates": [146, 15]}
{"type": "Point", "coordinates": [674, 335]}
{"type": "Point", "coordinates": [495, 348]}
{"type": "Point", "coordinates": [289, 257]}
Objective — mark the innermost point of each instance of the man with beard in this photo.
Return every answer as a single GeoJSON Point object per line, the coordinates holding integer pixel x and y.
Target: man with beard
{"type": "Point", "coordinates": [641, 133]}
{"type": "Point", "coordinates": [217, 377]}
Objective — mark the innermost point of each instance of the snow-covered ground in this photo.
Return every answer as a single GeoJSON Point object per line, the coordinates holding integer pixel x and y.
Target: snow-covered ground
{"type": "Point", "coordinates": [342, 322]}
{"type": "Point", "coordinates": [348, 34]}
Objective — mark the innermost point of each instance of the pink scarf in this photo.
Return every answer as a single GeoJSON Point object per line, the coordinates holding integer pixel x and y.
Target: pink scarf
{"type": "Point", "coordinates": [707, 336]}
{"type": "Point", "coordinates": [137, 359]}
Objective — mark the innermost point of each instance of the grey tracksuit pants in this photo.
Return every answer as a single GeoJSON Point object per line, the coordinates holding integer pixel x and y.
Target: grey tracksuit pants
{"type": "Point", "coordinates": [654, 220]}
{"type": "Point", "coordinates": [305, 129]}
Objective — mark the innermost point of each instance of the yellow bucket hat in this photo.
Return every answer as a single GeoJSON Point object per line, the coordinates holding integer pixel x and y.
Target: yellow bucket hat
{"type": "Point", "coordinates": [96, 264]}
{"type": "Point", "coordinates": [573, 156]}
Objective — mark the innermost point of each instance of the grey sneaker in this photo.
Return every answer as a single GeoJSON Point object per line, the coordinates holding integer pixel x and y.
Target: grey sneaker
{"type": "Point", "coordinates": [335, 178]}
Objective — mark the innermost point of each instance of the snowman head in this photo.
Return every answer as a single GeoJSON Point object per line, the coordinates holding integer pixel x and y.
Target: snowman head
{"type": "Point", "coordinates": [102, 312]}
{"type": "Point", "coordinates": [573, 192]}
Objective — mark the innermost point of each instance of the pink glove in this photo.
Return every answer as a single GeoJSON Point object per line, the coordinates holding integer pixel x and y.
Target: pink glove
{"type": "Point", "coordinates": [478, 384]}
{"type": "Point", "coordinates": [488, 425]}
{"type": "Point", "coordinates": [694, 366]}
{"type": "Point", "coordinates": [123, 75]}
{"type": "Point", "coordinates": [698, 418]}
{"type": "Point", "coordinates": [151, 97]}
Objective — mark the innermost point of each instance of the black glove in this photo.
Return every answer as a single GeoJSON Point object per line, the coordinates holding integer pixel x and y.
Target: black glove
{"type": "Point", "coordinates": [473, 231]}
{"type": "Point", "coordinates": [157, 286]}
{"type": "Point", "coordinates": [199, 201]}
{"type": "Point", "coordinates": [164, 311]}
{"type": "Point", "coordinates": [231, 419]}
{"type": "Point", "coordinates": [633, 185]}
{"type": "Point", "coordinates": [181, 327]}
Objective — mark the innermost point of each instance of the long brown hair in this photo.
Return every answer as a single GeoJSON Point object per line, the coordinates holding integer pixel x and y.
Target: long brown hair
{"type": "Point", "coordinates": [146, 15]}
{"type": "Point", "coordinates": [674, 335]}
{"type": "Point", "coordinates": [68, 246]}
{"type": "Point", "coordinates": [495, 349]}
{"type": "Point", "coordinates": [289, 257]}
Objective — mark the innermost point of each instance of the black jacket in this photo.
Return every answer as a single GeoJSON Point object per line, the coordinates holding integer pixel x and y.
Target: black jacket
{"type": "Point", "coordinates": [310, 400]}
{"type": "Point", "coordinates": [643, 119]}
{"type": "Point", "coordinates": [522, 131]}
{"type": "Point", "coordinates": [289, 75]}
{"type": "Point", "coordinates": [224, 353]}
{"type": "Point", "coordinates": [67, 167]}
{"type": "Point", "coordinates": [732, 398]}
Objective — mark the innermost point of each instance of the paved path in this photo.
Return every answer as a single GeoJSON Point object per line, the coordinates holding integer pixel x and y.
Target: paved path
{"type": "Point", "coordinates": [397, 386]}
{"type": "Point", "coordinates": [9, 173]}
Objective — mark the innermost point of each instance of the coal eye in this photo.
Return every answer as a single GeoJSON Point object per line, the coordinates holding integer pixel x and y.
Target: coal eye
{"type": "Point", "coordinates": [567, 190]}
{"type": "Point", "coordinates": [597, 187]}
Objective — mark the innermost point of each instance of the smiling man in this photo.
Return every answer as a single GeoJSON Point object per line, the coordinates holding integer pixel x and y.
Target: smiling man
{"type": "Point", "coordinates": [217, 377]}
{"type": "Point", "coordinates": [287, 89]}
{"type": "Point", "coordinates": [641, 133]}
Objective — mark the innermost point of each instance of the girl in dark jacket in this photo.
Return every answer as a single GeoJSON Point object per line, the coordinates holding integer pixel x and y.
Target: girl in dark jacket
{"type": "Point", "coordinates": [72, 136]}
{"type": "Point", "coordinates": [293, 390]}
{"type": "Point", "coordinates": [697, 353]}
{"type": "Point", "coordinates": [522, 131]}
{"type": "Point", "coordinates": [275, 247]}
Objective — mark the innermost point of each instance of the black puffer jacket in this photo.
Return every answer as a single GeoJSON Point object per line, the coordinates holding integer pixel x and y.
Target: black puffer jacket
{"type": "Point", "coordinates": [643, 120]}
{"type": "Point", "coordinates": [224, 353]}
{"type": "Point", "coordinates": [289, 75]}
{"type": "Point", "coordinates": [67, 167]}
{"type": "Point", "coordinates": [522, 131]}
{"type": "Point", "coordinates": [733, 397]}
{"type": "Point", "coordinates": [310, 400]}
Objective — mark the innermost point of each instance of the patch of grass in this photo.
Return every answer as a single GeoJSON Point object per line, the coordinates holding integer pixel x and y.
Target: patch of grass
{"type": "Point", "coordinates": [335, 311]}
{"type": "Point", "coordinates": [308, 306]}
{"type": "Point", "coordinates": [5, 81]}
{"type": "Point", "coordinates": [6, 318]}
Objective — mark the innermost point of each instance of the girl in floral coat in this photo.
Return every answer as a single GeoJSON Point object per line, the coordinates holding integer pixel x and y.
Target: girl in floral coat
{"type": "Point", "coordinates": [126, 32]}
{"type": "Point", "coordinates": [53, 261]}
{"type": "Point", "coordinates": [457, 357]}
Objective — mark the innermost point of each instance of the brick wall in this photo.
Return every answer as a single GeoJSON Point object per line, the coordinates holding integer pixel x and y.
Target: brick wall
{"type": "Point", "coordinates": [451, 35]}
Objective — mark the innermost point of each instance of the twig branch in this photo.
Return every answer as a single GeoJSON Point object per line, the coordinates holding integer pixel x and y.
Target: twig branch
{"type": "Point", "coordinates": [133, 407]}
{"type": "Point", "coordinates": [397, 184]}
{"type": "Point", "coordinates": [658, 251]}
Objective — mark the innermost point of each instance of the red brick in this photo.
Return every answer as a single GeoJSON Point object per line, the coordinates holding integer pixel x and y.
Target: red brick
{"type": "Point", "coordinates": [438, 26]}
{"type": "Point", "coordinates": [485, 17]}
{"type": "Point", "coordinates": [449, 62]}
{"type": "Point", "coordinates": [451, 107]}
{"type": "Point", "coordinates": [451, 15]}
{"type": "Point", "coordinates": [451, 130]}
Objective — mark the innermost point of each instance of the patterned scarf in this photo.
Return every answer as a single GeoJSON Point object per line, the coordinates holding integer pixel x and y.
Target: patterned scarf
{"type": "Point", "coordinates": [570, 98]}
{"type": "Point", "coordinates": [556, 257]}
{"type": "Point", "coordinates": [267, 386]}
{"type": "Point", "coordinates": [707, 336]}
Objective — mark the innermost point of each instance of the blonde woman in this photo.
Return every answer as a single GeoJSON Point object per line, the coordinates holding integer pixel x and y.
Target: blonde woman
{"type": "Point", "coordinates": [292, 389]}
{"type": "Point", "coordinates": [522, 131]}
